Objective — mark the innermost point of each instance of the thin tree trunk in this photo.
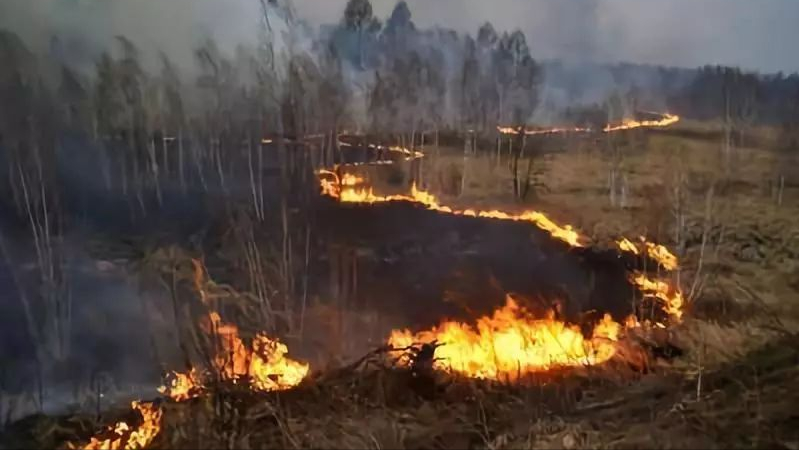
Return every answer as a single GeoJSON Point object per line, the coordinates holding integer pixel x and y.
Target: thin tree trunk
{"type": "Point", "coordinates": [252, 179]}
{"type": "Point", "coordinates": [527, 184]}
{"type": "Point", "coordinates": [220, 171]}
{"type": "Point", "coordinates": [165, 155]}
{"type": "Point", "coordinates": [154, 170]}
{"type": "Point", "coordinates": [305, 279]}
{"type": "Point", "coordinates": [499, 151]}
{"type": "Point", "coordinates": [727, 133]}
{"type": "Point", "coordinates": [181, 173]}
{"type": "Point", "coordinates": [465, 168]}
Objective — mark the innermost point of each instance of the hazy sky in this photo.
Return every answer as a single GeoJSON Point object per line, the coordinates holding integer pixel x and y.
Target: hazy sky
{"type": "Point", "coordinates": [762, 34]}
{"type": "Point", "coordinates": [756, 34]}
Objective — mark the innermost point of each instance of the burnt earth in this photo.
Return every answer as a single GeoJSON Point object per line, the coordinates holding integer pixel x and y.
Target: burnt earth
{"type": "Point", "coordinates": [422, 266]}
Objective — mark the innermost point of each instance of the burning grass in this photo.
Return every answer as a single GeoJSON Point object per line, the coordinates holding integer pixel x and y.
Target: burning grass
{"type": "Point", "coordinates": [126, 436]}
{"type": "Point", "coordinates": [576, 391]}
{"type": "Point", "coordinates": [665, 120]}
{"type": "Point", "coordinates": [373, 403]}
{"type": "Point", "coordinates": [263, 365]}
{"type": "Point", "coordinates": [510, 344]}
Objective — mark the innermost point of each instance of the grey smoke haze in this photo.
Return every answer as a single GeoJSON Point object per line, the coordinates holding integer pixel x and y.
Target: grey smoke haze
{"type": "Point", "coordinates": [755, 34]}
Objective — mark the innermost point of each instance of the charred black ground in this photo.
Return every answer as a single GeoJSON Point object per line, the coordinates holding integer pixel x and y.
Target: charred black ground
{"type": "Point", "coordinates": [409, 259]}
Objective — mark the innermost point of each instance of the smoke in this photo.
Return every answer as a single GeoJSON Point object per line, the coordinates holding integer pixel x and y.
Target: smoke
{"type": "Point", "coordinates": [755, 35]}
{"type": "Point", "coordinates": [114, 338]}
{"type": "Point", "coordinates": [175, 27]}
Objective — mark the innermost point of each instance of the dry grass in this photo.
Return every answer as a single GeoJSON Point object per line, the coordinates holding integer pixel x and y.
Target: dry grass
{"type": "Point", "coordinates": [755, 242]}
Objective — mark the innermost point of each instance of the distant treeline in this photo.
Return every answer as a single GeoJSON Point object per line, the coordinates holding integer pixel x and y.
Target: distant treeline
{"type": "Point", "coordinates": [382, 77]}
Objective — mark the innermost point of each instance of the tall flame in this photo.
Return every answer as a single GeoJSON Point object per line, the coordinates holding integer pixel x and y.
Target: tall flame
{"type": "Point", "coordinates": [659, 253]}
{"type": "Point", "coordinates": [124, 436]}
{"type": "Point", "coordinates": [662, 255]}
{"type": "Point", "coordinates": [265, 366]}
{"type": "Point", "coordinates": [626, 245]}
{"type": "Point", "coordinates": [671, 298]}
{"type": "Point", "coordinates": [511, 344]}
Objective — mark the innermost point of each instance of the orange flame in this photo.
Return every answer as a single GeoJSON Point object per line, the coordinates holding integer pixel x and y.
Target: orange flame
{"type": "Point", "coordinates": [508, 130]}
{"type": "Point", "coordinates": [557, 131]}
{"type": "Point", "coordinates": [626, 246]}
{"type": "Point", "coordinates": [662, 255]}
{"type": "Point", "coordinates": [265, 367]}
{"type": "Point", "coordinates": [349, 179]}
{"type": "Point", "coordinates": [542, 131]}
{"type": "Point", "coordinates": [666, 120]}
{"type": "Point", "coordinates": [511, 344]}
{"type": "Point", "coordinates": [123, 436]}
{"type": "Point", "coordinates": [659, 253]}
{"type": "Point", "coordinates": [182, 386]}
{"type": "Point", "coordinates": [672, 299]}
{"type": "Point", "coordinates": [349, 194]}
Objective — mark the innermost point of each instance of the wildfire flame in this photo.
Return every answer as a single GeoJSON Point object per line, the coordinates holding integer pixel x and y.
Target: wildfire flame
{"type": "Point", "coordinates": [123, 436]}
{"type": "Point", "coordinates": [265, 366]}
{"type": "Point", "coordinates": [659, 253]}
{"type": "Point", "coordinates": [626, 245]}
{"type": "Point", "coordinates": [350, 194]}
{"type": "Point", "coordinates": [508, 345]}
{"type": "Point", "coordinates": [351, 180]}
{"type": "Point", "coordinates": [183, 386]}
{"type": "Point", "coordinates": [511, 344]}
{"type": "Point", "coordinates": [542, 131]}
{"type": "Point", "coordinates": [662, 255]}
{"type": "Point", "coordinates": [671, 298]}
{"type": "Point", "coordinates": [407, 154]}
{"type": "Point", "coordinates": [665, 120]}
